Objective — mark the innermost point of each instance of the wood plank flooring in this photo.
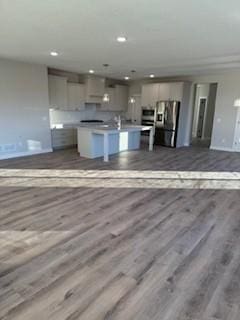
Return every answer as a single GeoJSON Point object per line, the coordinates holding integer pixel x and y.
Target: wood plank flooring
{"type": "Point", "coordinates": [145, 236]}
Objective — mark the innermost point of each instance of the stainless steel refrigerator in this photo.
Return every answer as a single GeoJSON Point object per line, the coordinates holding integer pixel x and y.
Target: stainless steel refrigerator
{"type": "Point", "coordinates": [166, 126]}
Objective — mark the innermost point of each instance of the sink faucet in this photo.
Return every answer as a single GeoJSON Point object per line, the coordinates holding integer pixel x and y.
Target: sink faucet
{"type": "Point", "coordinates": [118, 121]}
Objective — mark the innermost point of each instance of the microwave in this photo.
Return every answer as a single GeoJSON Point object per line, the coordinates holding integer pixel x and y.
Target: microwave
{"type": "Point", "coordinates": [148, 114]}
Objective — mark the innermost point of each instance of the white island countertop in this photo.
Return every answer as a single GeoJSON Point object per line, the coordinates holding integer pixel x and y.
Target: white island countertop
{"type": "Point", "coordinates": [113, 129]}
{"type": "Point", "coordinates": [106, 131]}
{"type": "Point", "coordinates": [101, 126]}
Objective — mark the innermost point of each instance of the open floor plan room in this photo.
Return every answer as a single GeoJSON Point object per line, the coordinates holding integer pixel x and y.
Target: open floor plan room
{"type": "Point", "coordinates": [119, 160]}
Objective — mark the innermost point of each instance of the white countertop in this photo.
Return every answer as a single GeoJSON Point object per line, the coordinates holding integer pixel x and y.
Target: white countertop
{"type": "Point", "coordinates": [64, 125]}
{"type": "Point", "coordinates": [111, 129]}
{"type": "Point", "coordinates": [101, 127]}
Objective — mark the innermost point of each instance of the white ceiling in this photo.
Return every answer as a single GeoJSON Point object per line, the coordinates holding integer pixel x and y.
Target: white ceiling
{"type": "Point", "coordinates": [165, 37]}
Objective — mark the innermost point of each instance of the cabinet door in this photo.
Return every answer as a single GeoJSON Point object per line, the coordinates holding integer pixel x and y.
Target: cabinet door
{"type": "Point", "coordinates": [95, 87]}
{"type": "Point", "coordinates": [176, 91]}
{"type": "Point", "coordinates": [150, 95]}
{"type": "Point", "coordinates": [121, 98]}
{"type": "Point", "coordinates": [76, 96]}
{"type": "Point", "coordinates": [154, 92]}
{"type": "Point", "coordinates": [145, 95]}
{"type": "Point", "coordinates": [164, 91]}
{"type": "Point", "coordinates": [63, 137]}
{"type": "Point", "coordinates": [136, 110]}
{"type": "Point", "coordinates": [57, 92]}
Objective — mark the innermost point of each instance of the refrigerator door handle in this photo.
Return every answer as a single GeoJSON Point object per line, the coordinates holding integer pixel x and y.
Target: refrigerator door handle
{"type": "Point", "coordinates": [165, 115]}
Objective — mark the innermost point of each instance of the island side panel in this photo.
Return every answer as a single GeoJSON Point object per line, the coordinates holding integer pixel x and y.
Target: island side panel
{"type": "Point", "coordinates": [91, 144]}
{"type": "Point", "coordinates": [117, 142]}
{"type": "Point", "coordinates": [98, 144]}
{"type": "Point", "coordinates": [85, 143]}
{"type": "Point", "coordinates": [134, 140]}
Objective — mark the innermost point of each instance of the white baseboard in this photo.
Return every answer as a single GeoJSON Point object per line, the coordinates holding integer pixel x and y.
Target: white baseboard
{"type": "Point", "coordinates": [222, 149]}
{"type": "Point", "coordinates": [24, 154]}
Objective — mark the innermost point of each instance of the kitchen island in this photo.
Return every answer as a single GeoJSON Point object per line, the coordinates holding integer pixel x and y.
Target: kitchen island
{"type": "Point", "coordinates": [103, 140]}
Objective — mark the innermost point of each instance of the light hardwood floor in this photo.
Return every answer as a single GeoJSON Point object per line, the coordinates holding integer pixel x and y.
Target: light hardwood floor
{"type": "Point", "coordinates": [145, 236]}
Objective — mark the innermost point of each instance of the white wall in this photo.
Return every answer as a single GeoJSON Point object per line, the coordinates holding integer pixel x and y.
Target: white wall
{"type": "Point", "coordinates": [24, 109]}
{"type": "Point", "coordinates": [225, 114]}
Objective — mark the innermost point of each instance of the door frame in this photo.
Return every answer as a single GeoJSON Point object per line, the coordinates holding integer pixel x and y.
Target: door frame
{"type": "Point", "coordinates": [236, 144]}
{"type": "Point", "coordinates": [193, 104]}
{"type": "Point", "coordinates": [204, 117]}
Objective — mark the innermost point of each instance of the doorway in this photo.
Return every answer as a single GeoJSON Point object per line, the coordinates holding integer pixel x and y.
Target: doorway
{"type": "Point", "coordinates": [203, 115]}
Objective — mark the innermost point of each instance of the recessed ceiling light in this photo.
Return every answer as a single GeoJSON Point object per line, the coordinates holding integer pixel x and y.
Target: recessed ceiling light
{"type": "Point", "coordinates": [126, 78]}
{"type": "Point", "coordinates": [54, 53]}
{"type": "Point", "coordinates": [121, 39]}
{"type": "Point", "coordinates": [152, 76]}
{"type": "Point", "coordinates": [91, 71]}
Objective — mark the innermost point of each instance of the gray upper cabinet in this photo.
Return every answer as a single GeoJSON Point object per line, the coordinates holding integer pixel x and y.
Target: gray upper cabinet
{"type": "Point", "coordinates": [164, 91]}
{"type": "Point", "coordinates": [176, 91]}
{"type": "Point", "coordinates": [76, 96]}
{"type": "Point", "coordinates": [71, 96]}
{"type": "Point", "coordinates": [150, 94]}
{"type": "Point", "coordinates": [171, 91]}
{"type": "Point", "coordinates": [134, 112]}
{"type": "Point", "coordinates": [153, 92]}
{"type": "Point", "coordinates": [145, 95]}
{"type": "Point", "coordinates": [118, 98]}
{"type": "Point", "coordinates": [121, 98]}
{"type": "Point", "coordinates": [57, 92]}
{"type": "Point", "coordinates": [95, 88]}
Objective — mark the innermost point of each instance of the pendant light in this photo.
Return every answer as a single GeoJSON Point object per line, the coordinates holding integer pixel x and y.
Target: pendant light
{"type": "Point", "coordinates": [237, 103]}
{"type": "Point", "coordinates": [106, 97]}
{"type": "Point", "coordinates": [132, 100]}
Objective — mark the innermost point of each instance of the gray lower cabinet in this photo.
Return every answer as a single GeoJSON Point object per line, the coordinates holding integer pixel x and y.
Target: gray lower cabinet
{"type": "Point", "coordinates": [64, 138]}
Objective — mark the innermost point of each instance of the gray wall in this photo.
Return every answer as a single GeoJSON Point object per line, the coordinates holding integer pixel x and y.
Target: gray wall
{"type": "Point", "coordinates": [225, 114]}
{"type": "Point", "coordinates": [24, 109]}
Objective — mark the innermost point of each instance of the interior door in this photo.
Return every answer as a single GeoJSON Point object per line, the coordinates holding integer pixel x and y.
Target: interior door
{"type": "Point", "coordinates": [202, 108]}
